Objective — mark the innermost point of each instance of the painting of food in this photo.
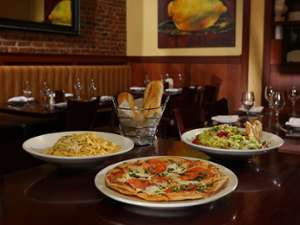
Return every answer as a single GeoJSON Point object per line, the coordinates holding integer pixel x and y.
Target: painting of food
{"type": "Point", "coordinates": [196, 23]}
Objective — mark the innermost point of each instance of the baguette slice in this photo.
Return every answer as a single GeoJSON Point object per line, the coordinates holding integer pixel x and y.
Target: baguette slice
{"type": "Point", "coordinates": [257, 130]}
{"type": "Point", "coordinates": [249, 129]}
{"type": "Point", "coordinates": [152, 98]}
{"type": "Point", "coordinates": [254, 130]}
{"type": "Point", "coordinates": [126, 97]}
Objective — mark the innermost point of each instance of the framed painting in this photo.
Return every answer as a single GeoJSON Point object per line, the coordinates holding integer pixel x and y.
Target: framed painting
{"type": "Point", "coordinates": [196, 23]}
{"type": "Point", "coordinates": [58, 16]}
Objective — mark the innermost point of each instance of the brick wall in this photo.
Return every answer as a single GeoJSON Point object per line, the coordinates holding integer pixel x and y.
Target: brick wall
{"type": "Point", "coordinates": [102, 32]}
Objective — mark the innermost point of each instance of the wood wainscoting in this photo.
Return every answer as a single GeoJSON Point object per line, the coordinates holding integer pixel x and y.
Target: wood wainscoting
{"type": "Point", "coordinates": [224, 71]}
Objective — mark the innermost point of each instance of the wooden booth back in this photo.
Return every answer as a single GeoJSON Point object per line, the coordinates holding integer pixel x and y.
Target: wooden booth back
{"type": "Point", "coordinates": [109, 79]}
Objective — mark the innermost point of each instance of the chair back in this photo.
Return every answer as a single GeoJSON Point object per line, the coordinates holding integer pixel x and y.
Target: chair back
{"type": "Point", "coordinates": [81, 114]}
{"type": "Point", "coordinates": [201, 106]}
{"type": "Point", "coordinates": [221, 107]}
{"type": "Point", "coordinates": [185, 110]}
{"type": "Point", "coordinates": [59, 96]}
{"type": "Point", "coordinates": [210, 95]}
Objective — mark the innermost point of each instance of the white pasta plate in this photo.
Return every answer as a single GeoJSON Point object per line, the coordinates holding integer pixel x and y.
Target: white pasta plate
{"type": "Point", "coordinates": [273, 142]}
{"type": "Point", "coordinates": [38, 146]}
{"type": "Point", "coordinates": [135, 201]}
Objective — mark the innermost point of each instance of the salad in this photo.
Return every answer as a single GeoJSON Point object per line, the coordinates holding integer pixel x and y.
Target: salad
{"type": "Point", "coordinates": [228, 137]}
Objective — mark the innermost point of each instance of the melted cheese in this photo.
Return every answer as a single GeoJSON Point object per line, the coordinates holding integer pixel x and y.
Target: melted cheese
{"type": "Point", "coordinates": [175, 168]}
{"type": "Point", "coordinates": [153, 189]}
{"type": "Point", "coordinates": [140, 172]}
{"type": "Point", "coordinates": [187, 182]}
{"type": "Point", "coordinates": [124, 178]}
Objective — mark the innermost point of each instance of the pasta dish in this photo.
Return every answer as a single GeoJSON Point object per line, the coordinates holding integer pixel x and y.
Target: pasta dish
{"type": "Point", "coordinates": [82, 144]}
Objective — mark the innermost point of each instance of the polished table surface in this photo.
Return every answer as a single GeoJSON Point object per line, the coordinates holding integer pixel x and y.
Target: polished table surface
{"type": "Point", "coordinates": [40, 110]}
{"type": "Point", "coordinates": [267, 193]}
{"type": "Point", "coordinates": [30, 109]}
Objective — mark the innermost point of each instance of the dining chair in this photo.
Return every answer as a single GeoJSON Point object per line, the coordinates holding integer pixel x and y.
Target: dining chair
{"type": "Point", "coordinates": [210, 95]}
{"type": "Point", "coordinates": [59, 96]}
{"type": "Point", "coordinates": [189, 119]}
{"type": "Point", "coordinates": [81, 114]}
{"type": "Point", "coordinates": [201, 108]}
{"type": "Point", "coordinates": [188, 102]}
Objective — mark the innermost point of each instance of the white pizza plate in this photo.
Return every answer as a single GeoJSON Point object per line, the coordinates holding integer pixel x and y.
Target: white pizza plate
{"type": "Point", "coordinates": [272, 140]}
{"type": "Point", "coordinates": [37, 147]}
{"type": "Point", "coordinates": [100, 184]}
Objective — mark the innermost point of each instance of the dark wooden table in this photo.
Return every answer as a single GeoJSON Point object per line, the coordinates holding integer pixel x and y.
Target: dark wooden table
{"type": "Point", "coordinates": [39, 110]}
{"type": "Point", "coordinates": [267, 193]}
{"type": "Point", "coordinates": [30, 109]}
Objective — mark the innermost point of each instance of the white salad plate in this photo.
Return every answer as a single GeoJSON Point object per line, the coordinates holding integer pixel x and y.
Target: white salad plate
{"type": "Point", "coordinates": [131, 200]}
{"type": "Point", "coordinates": [272, 140]}
{"type": "Point", "coordinates": [38, 146]}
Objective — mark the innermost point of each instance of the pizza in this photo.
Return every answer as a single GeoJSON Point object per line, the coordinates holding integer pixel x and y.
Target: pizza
{"type": "Point", "coordinates": [166, 178]}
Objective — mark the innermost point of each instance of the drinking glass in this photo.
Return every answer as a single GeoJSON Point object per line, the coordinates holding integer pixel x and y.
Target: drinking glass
{"type": "Point", "coordinates": [293, 96]}
{"type": "Point", "coordinates": [77, 89]}
{"type": "Point", "coordinates": [146, 80]}
{"type": "Point", "coordinates": [269, 93]}
{"type": "Point", "coordinates": [27, 92]}
{"type": "Point", "coordinates": [180, 80]}
{"type": "Point", "coordinates": [278, 103]}
{"type": "Point", "coordinates": [45, 91]}
{"type": "Point", "coordinates": [248, 101]}
{"type": "Point", "coordinates": [166, 81]}
{"type": "Point", "coordinates": [92, 89]}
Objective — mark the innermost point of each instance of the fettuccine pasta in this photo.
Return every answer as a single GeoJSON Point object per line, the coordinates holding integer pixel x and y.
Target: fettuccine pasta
{"type": "Point", "coordinates": [82, 144]}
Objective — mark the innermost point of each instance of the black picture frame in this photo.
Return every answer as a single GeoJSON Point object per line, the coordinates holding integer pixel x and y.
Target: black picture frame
{"type": "Point", "coordinates": [6, 23]}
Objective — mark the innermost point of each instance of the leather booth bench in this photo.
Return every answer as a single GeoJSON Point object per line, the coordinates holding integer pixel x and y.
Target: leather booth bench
{"type": "Point", "coordinates": [109, 79]}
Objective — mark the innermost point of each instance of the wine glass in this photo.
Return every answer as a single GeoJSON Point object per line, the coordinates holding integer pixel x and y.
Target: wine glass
{"type": "Point", "coordinates": [166, 81]}
{"type": "Point", "coordinates": [77, 89]}
{"type": "Point", "coordinates": [27, 92]}
{"type": "Point", "coordinates": [293, 96]}
{"type": "Point", "coordinates": [278, 102]}
{"type": "Point", "coordinates": [180, 80]}
{"type": "Point", "coordinates": [92, 89]}
{"type": "Point", "coordinates": [146, 80]}
{"type": "Point", "coordinates": [269, 93]}
{"type": "Point", "coordinates": [248, 101]}
{"type": "Point", "coordinates": [45, 91]}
